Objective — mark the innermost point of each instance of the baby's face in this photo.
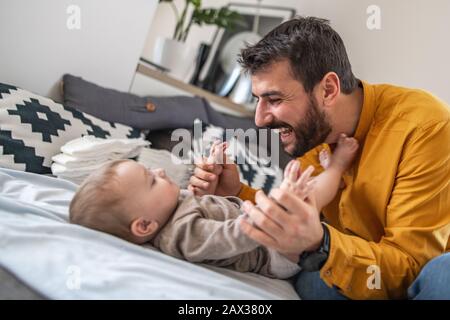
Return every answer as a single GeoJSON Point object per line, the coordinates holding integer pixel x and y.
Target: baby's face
{"type": "Point", "coordinates": [149, 193]}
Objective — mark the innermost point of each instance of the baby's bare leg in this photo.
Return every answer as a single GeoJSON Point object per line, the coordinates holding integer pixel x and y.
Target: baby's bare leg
{"type": "Point", "coordinates": [344, 154]}
{"type": "Point", "coordinates": [324, 159]}
{"type": "Point", "coordinates": [327, 183]}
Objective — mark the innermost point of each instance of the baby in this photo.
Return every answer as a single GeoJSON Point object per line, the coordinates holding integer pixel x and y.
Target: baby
{"type": "Point", "coordinates": [127, 200]}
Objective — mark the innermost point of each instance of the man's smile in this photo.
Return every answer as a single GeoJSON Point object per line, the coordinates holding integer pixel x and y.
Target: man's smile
{"type": "Point", "coordinates": [286, 134]}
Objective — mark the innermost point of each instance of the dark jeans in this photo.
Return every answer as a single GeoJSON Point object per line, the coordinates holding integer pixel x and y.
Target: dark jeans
{"type": "Point", "coordinates": [432, 283]}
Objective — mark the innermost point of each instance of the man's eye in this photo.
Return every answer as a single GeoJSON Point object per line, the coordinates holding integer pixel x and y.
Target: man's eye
{"type": "Point", "coordinates": [274, 101]}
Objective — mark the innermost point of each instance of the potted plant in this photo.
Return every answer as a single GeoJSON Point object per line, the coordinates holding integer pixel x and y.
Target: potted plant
{"type": "Point", "coordinates": [174, 54]}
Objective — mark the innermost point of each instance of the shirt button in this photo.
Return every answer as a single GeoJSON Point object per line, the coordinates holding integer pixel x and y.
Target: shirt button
{"type": "Point", "coordinates": [150, 107]}
{"type": "Point", "coordinates": [328, 273]}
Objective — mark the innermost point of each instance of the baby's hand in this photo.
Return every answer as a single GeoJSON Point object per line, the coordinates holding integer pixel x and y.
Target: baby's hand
{"type": "Point", "coordinates": [216, 158]}
{"type": "Point", "coordinates": [300, 183]}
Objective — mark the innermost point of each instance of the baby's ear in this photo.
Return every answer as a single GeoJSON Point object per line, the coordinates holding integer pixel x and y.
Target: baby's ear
{"type": "Point", "coordinates": [142, 227]}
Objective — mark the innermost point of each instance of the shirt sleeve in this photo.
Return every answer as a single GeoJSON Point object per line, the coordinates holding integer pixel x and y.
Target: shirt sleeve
{"type": "Point", "coordinates": [247, 193]}
{"type": "Point", "coordinates": [417, 225]}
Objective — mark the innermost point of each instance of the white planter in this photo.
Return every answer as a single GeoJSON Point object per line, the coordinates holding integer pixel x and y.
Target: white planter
{"type": "Point", "coordinates": [176, 56]}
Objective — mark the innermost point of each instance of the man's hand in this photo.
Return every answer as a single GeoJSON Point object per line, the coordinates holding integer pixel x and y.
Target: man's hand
{"type": "Point", "coordinates": [283, 222]}
{"type": "Point", "coordinates": [219, 179]}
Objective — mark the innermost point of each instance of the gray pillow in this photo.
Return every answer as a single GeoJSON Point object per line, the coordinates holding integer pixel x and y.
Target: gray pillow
{"type": "Point", "coordinates": [139, 112]}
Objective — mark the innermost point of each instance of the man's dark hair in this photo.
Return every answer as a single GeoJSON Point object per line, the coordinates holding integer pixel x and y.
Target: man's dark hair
{"type": "Point", "coordinates": [311, 46]}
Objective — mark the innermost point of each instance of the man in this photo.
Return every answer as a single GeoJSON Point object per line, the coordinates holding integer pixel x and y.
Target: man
{"type": "Point", "coordinates": [392, 215]}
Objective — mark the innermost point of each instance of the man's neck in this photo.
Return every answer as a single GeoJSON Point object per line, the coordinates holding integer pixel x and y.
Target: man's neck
{"type": "Point", "coordinates": [348, 112]}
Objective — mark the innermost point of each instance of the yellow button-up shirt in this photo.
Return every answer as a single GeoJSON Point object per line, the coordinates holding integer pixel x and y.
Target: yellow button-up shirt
{"type": "Point", "coordinates": [393, 216]}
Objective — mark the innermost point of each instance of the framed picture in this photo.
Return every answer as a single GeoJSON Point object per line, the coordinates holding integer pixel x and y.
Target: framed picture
{"type": "Point", "coordinates": [220, 73]}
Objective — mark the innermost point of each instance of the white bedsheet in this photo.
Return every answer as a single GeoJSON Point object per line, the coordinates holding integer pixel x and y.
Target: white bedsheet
{"type": "Point", "coordinates": [65, 261]}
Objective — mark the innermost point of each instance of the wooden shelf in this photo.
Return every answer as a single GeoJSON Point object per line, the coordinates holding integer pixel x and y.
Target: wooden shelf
{"type": "Point", "coordinates": [224, 102]}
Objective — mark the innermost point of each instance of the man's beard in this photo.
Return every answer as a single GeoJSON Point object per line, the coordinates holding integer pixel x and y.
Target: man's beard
{"type": "Point", "coordinates": [311, 132]}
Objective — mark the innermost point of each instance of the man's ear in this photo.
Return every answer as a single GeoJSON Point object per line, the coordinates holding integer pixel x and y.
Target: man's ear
{"type": "Point", "coordinates": [331, 88]}
{"type": "Point", "coordinates": [142, 227]}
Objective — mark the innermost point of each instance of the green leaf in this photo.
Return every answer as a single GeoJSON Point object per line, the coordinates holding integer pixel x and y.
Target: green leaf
{"type": "Point", "coordinates": [222, 17]}
{"type": "Point", "coordinates": [196, 3]}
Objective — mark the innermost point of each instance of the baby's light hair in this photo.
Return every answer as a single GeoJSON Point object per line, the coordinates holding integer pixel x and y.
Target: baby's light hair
{"type": "Point", "coordinates": [98, 203]}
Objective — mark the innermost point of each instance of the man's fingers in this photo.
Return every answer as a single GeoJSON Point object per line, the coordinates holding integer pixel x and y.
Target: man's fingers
{"type": "Point", "coordinates": [196, 182]}
{"type": "Point", "coordinates": [261, 220]}
{"type": "Point", "coordinates": [291, 202]}
{"type": "Point", "coordinates": [271, 209]}
{"type": "Point", "coordinates": [257, 235]}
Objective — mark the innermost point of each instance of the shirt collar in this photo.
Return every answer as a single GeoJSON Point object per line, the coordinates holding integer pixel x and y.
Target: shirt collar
{"type": "Point", "coordinates": [367, 112]}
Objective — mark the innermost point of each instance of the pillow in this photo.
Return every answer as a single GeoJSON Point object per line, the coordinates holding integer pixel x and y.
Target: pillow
{"type": "Point", "coordinates": [254, 170]}
{"type": "Point", "coordinates": [144, 113]}
{"type": "Point", "coordinates": [153, 158]}
{"type": "Point", "coordinates": [33, 128]}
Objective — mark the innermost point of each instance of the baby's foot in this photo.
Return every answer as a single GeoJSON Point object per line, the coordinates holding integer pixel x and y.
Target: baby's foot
{"type": "Point", "coordinates": [296, 181]}
{"type": "Point", "coordinates": [344, 153]}
{"type": "Point", "coordinates": [324, 159]}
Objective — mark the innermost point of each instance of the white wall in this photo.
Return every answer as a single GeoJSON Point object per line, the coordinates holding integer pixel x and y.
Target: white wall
{"type": "Point", "coordinates": [411, 49]}
{"type": "Point", "coordinates": [37, 48]}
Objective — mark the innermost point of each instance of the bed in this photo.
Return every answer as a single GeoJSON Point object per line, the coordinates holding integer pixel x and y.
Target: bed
{"type": "Point", "coordinates": [44, 256]}
{"type": "Point", "coordinates": [41, 254]}
{"type": "Point", "coordinates": [59, 260]}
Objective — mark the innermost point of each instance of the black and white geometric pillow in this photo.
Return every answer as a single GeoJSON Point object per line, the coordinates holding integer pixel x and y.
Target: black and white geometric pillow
{"type": "Point", "coordinates": [253, 170]}
{"type": "Point", "coordinates": [33, 129]}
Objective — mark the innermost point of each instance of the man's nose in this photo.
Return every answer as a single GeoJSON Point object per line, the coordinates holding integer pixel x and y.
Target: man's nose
{"type": "Point", "coordinates": [263, 117]}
